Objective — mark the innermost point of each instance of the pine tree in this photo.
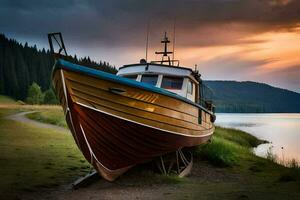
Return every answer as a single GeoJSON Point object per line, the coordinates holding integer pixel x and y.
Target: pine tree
{"type": "Point", "coordinates": [21, 73]}
{"type": "Point", "coordinates": [10, 77]}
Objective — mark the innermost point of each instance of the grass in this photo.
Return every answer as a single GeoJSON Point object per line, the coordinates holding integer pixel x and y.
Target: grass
{"type": "Point", "coordinates": [54, 116]}
{"type": "Point", "coordinates": [225, 168]}
{"type": "Point", "coordinates": [32, 158]}
{"type": "Point", "coordinates": [219, 152]}
{"type": "Point", "coordinates": [238, 137]}
{"type": "Point", "coordinates": [225, 147]}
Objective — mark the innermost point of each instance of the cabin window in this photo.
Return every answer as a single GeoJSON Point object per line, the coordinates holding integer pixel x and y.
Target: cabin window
{"type": "Point", "coordinates": [149, 79]}
{"type": "Point", "coordinates": [172, 83]}
{"type": "Point", "coordinates": [133, 77]}
{"type": "Point", "coordinates": [190, 87]}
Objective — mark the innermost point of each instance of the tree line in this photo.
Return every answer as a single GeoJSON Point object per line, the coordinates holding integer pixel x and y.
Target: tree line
{"type": "Point", "coordinates": [22, 66]}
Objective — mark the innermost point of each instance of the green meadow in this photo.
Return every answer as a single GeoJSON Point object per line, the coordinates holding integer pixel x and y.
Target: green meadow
{"type": "Point", "coordinates": [35, 159]}
{"type": "Point", "coordinates": [51, 116]}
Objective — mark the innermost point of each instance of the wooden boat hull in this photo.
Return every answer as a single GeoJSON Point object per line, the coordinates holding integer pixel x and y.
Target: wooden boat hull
{"type": "Point", "coordinates": [117, 125]}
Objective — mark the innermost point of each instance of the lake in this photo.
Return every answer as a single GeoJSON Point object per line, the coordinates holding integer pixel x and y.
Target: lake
{"type": "Point", "coordinates": [282, 130]}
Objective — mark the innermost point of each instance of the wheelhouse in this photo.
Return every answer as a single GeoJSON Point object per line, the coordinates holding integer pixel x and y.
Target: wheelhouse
{"type": "Point", "coordinates": [175, 79]}
{"type": "Point", "coordinates": [180, 80]}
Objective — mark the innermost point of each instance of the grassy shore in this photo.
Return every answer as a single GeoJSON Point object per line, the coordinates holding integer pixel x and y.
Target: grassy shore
{"type": "Point", "coordinates": [34, 159]}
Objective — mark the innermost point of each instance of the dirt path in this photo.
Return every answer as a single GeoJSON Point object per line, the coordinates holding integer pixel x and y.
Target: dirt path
{"type": "Point", "coordinates": [134, 186]}
{"type": "Point", "coordinates": [21, 117]}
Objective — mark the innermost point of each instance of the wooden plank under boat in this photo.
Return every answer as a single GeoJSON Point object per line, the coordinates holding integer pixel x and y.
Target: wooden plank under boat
{"type": "Point", "coordinates": [118, 123]}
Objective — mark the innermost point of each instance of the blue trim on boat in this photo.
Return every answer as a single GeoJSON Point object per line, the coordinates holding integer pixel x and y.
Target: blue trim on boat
{"type": "Point", "coordinates": [60, 63]}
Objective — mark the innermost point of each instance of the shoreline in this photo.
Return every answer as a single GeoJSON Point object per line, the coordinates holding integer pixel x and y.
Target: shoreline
{"type": "Point", "coordinates": [280, 129]}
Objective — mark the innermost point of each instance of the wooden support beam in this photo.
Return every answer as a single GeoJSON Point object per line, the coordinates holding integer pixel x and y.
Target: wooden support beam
{"type": "Point", "coordinates": [86, 180]}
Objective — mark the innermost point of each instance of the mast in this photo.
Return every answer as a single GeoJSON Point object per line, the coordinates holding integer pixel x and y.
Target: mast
{"type": "Point", "coordinates": [165, 53]}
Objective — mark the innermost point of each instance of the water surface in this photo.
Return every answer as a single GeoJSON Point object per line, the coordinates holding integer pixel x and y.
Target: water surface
{"type": "Point", "coordinates": [282, 130]}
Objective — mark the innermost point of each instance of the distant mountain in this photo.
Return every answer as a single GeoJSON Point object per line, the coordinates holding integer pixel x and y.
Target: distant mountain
{"type": "Point", "coordinates": [233, 96]}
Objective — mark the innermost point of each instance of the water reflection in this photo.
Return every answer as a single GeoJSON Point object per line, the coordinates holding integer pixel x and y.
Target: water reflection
{"type": "Point", "coordinates": [282, 130]}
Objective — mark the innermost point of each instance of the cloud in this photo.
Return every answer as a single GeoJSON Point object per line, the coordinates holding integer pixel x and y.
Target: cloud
{"type": "Point", "coordinates": [285, 78]}
{"type": "Point", "coordinates": [231, 39]}
{"type": "Point", "coordinates": [231, 66]}
{"type": "Point", "coordinates": [123, 22]}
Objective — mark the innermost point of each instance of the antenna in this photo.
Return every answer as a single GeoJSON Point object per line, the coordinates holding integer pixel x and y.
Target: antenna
{"type": "Point", "coordinates": [174, 36]}
{"type": "Point", "coordinates": [165, 53]}
{"type": "Point", "coordinates": [147, 42]}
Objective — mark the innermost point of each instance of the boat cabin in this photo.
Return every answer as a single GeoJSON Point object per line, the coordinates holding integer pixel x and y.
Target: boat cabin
{"type": "Point", "coordinates": [180, 80]}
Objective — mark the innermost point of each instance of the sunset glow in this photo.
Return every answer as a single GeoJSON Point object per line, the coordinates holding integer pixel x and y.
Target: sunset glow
{"type": "Point", "coordinates": [266, 54]}
{"type": "Point", "coordinates": [228, 40]}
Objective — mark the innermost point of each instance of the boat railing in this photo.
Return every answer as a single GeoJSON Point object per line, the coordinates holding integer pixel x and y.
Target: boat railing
{"type": "Point", "coordinates": [171, 62]}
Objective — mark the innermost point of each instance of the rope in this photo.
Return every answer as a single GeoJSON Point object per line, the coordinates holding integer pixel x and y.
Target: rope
{"type": "Point", "coordinates": [88, 144]}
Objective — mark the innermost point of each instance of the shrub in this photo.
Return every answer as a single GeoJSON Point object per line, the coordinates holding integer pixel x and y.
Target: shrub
{"type": "Point", "coordinates": [34, 94]}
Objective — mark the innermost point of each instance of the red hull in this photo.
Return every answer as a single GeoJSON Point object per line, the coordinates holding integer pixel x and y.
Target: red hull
{"type": "Point", "coordinates": [117, 144]}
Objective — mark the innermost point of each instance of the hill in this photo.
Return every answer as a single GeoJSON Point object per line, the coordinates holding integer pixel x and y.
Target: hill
{"type": "Point", "coordinates": [234, 96]}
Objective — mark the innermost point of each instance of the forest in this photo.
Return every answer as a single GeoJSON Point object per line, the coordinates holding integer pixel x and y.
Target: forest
{"type": "Point", "coordinates": [22, 65]}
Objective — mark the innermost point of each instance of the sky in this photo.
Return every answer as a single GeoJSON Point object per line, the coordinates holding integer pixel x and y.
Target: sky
{"type": "Point", "coordinates": [243, 40]}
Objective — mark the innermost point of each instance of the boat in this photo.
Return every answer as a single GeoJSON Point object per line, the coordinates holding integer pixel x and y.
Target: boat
{"type": "Point", "coordinates": [145, 111]}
